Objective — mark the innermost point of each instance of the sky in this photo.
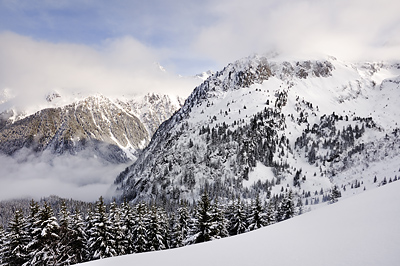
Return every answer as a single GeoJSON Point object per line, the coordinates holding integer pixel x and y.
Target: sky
{"type": "Point", "coordinates": [115, 47]}
{"type": "Point", "coordinates": [118, 38]}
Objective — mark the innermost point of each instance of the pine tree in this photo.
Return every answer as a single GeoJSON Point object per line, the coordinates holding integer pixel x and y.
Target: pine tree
{"type": "Point", "coordinates": [46, 235]}
{"type": "Point", "coordinates": [15, 249]}
{"type": "Point", "coordinates": [203, 223]}
{"type": "Point", "coordinates": [335, 194]}
{"type": "Point", "coordinates": [219, 222]}
{"type": "Point", "coordinates": [166, 231]}
{"type": "Point", "coordinates": [155, 234]}
{"type": "Point", "coordinates": [3, 248]}
{"type": "Point", "coordinates": [286, 208]}
{"type": "Point", "coordinates": [121, 242]}
{"type": "Point", "coordinates": [270, 214]}
{"type": "Point", "coordinates": [32, 223]}
{"type": "Point", "coordinates": [180, 227]}
{"type": "Point", "coordinates": [299, 207]}
{"type": "Point", "coordinates": [88, 224]}
{"type": "Point", "coordinates": [139, 230]}
{"type": "Point", "coordinates": [78, 244]}
{"type": "Point", "coordinates": [238, 219]}
{"type": "Point", "coordinates": [101, 242]}
{"type": "Point", "coordinates": [128, 223]}
{"type": "Point", "coordinates": [256, 217]}
{"type": "Point", "coordinates": [64, 251]}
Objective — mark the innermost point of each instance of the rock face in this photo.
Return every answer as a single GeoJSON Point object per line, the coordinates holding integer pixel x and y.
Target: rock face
{"type": "Point", "coordinates": [263, 125]}
{"type": "Point", "coordinates": [153, 109]}
{"type": "Point", "coordinates": [98, 126]}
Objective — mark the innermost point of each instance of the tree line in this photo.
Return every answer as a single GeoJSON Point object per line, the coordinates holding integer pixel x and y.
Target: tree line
{"type": "Point", "coordinates": [107, 230]}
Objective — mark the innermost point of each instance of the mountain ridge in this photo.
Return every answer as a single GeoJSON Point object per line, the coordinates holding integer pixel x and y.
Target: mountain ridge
{"type": "Point", "coordinates": [111, 129]}
{"type": "Point", "coordinates": [273, 104]}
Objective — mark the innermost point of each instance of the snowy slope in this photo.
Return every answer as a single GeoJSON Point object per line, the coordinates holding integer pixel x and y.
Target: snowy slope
{"type": "Point", "coordinates": [361, 230]}
{"type": "Point", "coordinates": [263, 119]}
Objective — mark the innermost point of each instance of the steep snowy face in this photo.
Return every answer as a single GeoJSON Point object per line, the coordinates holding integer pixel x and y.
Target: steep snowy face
{"type": "Point", "coordinates": [264, 125]}
{"type": "Point", "coordinates": [95, 126]}
{"type": "Point", "coordinates": [153, 109]}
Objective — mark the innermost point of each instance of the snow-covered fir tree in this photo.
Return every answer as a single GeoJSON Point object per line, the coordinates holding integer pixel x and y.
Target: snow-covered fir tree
{"type": "Point", "coordinates": [180, 227]}
{"type": "Point", "coordinates": [64, 250]}
{"type": "Point", "coordinates": [32, 219]}
{"type": "Point", "coordinates": [46, 236]}
{"type": "Point", "coordinates": [128, 223]}
{"type": "Point", "coordinates": [219, 222]}
{"type": "Point", "coordinates": [286, 207]}
{"type": "Point", "coordinates": [121, 243]}
{"type": "Point", "coordinates": [238, 218]}
{"type": "Point", "coordinates": [257, 217]}
{"type": "Point", "coordinates": [155, 231]}
{"type": "Point", "coordinates": [335, 194]}
{"type": "Point", "coordinates": [15, 248]}
{"type": "Point", "coordinates": [101, 238]}
{"type": "Point", "coordinates": [270, 213]}
{"type": "Point", "coordinates": [113, 229]}
{"type": "Point", "coordinates": [139, 231]}
{"type": "Point", "coordinates": [203, 221]}
{"type": "Point", "coordinates": [78, 242]}
{"type": "Point", "coordinates": [3, 248]}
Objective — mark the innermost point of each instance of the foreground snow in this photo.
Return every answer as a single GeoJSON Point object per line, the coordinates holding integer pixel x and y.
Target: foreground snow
{"type": "Point", "coordinates": [361, 230]}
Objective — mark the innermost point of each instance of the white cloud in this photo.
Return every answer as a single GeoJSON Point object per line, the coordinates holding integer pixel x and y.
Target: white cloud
{"type": "Point", "coordinates": [124, 66]}
{"type": "Point", "coordinates": [352, 30]}
{"type": "Point", "coordinates": [76, 177]}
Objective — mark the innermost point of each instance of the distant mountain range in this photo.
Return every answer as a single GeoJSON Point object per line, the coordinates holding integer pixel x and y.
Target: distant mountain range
{"type": "Point", "coordinates": [110, 129]}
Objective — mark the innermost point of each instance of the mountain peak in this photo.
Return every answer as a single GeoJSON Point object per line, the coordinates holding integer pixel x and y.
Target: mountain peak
{"type": "Point", "coordinates": [259, 112]}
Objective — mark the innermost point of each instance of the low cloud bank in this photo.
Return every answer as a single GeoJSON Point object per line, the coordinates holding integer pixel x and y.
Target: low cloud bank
{"type": "Point", "coordinates": [66, 176]}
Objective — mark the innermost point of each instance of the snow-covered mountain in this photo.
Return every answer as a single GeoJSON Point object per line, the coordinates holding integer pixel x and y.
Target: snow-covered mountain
{"type": "Point", "coordinates": [205, 75]}
{"type": "Point", "coordinates": [111, 129]}
{"type": "Point", "coordinates": [268, 124]}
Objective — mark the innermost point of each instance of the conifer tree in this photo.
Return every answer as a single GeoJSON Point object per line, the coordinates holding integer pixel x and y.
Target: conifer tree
{"type": "Point", "coordinates": [128, 223]}
{"type": "Point", "coordinates": [64, 250]}
{"type": "Point", "coordinates": [88, 229]}
{"type": "Point", "coordinates": [32, 223]}
{"type": "Point", "coordinates": [166, 231]}
{"type": "Point", "coordinates": [3, 248]}
{"type": "Point", "coordinates": [15, 252]}
{"type": "Point", "coordinates": [286, 209]}
{"type": "Point", "coordinates": [46, 235]}
{"type": "Point", "coordinates": [270, 213]}
{"type": "Point", "coordinates": [101, 242]}
{"type": "Point", "coordinates": [257, 217]}
{"type": "Point", "coordinates": [203, 223]}
{"type": "Point", "coordinates": [155, 234]}
{"type": "Point", "coordinates": [139, 230]}
{"type": "Point", "coordinates": [180, 227]}
{"type": "Point", "coordinates": [238, 218]}
{"type": "Point", "coordinates": [335, 194]}
{"type": "Point", "coordinates": [78, 243]}
{"type": "Point", "coordinates": [121, 243]}
{"type": "Point", "coordinates": [219, 222]}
